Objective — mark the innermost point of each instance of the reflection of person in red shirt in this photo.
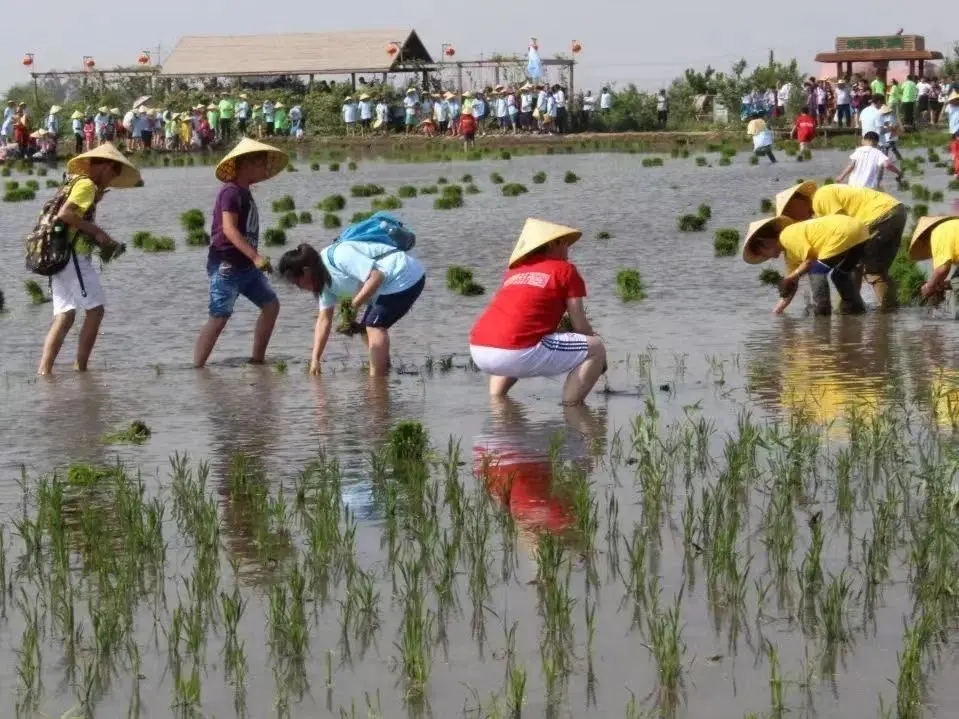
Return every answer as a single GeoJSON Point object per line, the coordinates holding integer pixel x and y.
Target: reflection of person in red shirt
{"type": "Point", "coordinates": [516, 336]}
{"type": "Point", "coordinates": [804, 130]}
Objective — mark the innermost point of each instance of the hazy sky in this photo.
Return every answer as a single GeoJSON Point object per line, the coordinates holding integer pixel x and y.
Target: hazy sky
{"type": "Point", "coordinates": [647, 43]}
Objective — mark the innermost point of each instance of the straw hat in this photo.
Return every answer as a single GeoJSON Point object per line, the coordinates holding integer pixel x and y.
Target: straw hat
{"type": "Point", "coordinates": [54, 109]}
{"type": "Point", "coordinates": [807, 188]}
{"type": "Point", "coordinates": [114, 111]}
{"type": "Point", "coordinates": [537, 233]}
{"type": "Point", "coordinates": [103, 109]}
{"type": "Point", "coordinates": [76, 115]}
{"type": "Point", "coordinates": [411, 91]}
{"type": "Point", "coordinates": [448, 95]}
{"type": "Point", "coordinates": [277, 160]}
{"type": "Point", "coordinates": [242, 96]}
{"type": "Point", "coordinates": [211, 106]}
{"type": "Point", "coordinates": [885, 110]}
{"type": "Point", "coordinates": [953, 97]}
{"type": "Point", "coordinates": [37, 134]}
{"type": "Point", "coordinates": [279, 106]}
{"type": "Point", "coordinates": [129, 177]}
{"type": "Point", "coordinates": [920, 247]}
{"type": "Point", "coordinates": [780, 221]}
{"type": "Point", "coordinates": [525, 87]}
{"type": "Point", "coordinates": [364, 96]}
{"type": "Point", "coordinates": [467, 94]}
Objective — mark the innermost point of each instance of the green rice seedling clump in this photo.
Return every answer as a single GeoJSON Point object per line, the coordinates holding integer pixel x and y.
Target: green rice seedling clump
{"type": "Point", "coordinates": [198, 238]}
{"type": "Point", "coordinates": [351, 166]}
{"type": "Point", "coordinates": [139, 238]}
{"type": "Point", "coordinates": [701, 161]}
{"type": "Point", "coordinates": [724, 161]}
{"type": "Point", "coordinates": [505, 155]}
{"type": "Point", "coordinates": [629, 285]}
{"type": "Point", "coordinates": [136, 433]}
{"type": "Point", "coordinates": [766, 205]}
{"type": "Point", "coordinates": [704, 211]}
{"type": "Point", "coordinates": [920, 192]}
{"type": "Point", "coordinates": [769, 276]}
{"type": "Point", "coordinates": [32, 185]}
{"type": "Point", "coordinates": [442, 181]}
{"type": "Point", "coordinates": [726, 242]}
{"type": "Point", "coordinates": [539, 178]}
{"type": "Point", "coordinates": [368, 190]}
{"type": "Point", "coordinates": [920, 209]}
{"type": "Point", "coordinates": [274, 237]}
{"type": "Point", "coordinates": [496, 178]}
{"type": "Point", "coordinates": [51, 184]}
{"type": "Point", "coordinates": [332, 203]}
{"type": "Point", "coordinates": [514, 189]}
{"type": "Point", "coordinates": [284, 204]}
{"type": "Point", "coordinates": [314, 166]}
{"type": "Point", "coordinates": [603, 235]}
{"type": "Point", "coordinates": [288, 221]}
{"type": "Point", "coordinates": [406, 191]}
{"type": "Point", "coordinates": [334, 167]}
{"type": "Point", "coordinates": [429, 190]}
{"type": "Point", "coordinates": [460, 280]}
{"type": "Point", "coordinates": [346, 323]}
{"type": "Point", "coordinates": [656, 161]}
{"type": "Point", "coordinates": [35, 292]}
{"type": "Point", "coordinates": [408, 442]}
{"type": "Point", "coordinates": [11, 185]}
{"type": "Point", "coordinates": [472, 189]}
{"type": "Point", "coordinates": [192, 220]}
{"type": "Point", "coordinates": [570, 177]}
{"type": "Point", "coordinates": [452, 191]}
{"type": "Point", "coordinates": [360, 216]}
{"type": "Point", "coordinates": [954, 184]}
{"type": "Point", "coordinates": [331, 221]}
{"type": "Point", "coordinates": [305, 217]}
{"type": "Point", "coordinates": [42, 172]}
{"type": "Point", "coordinates": [448, 202]}
{"type": "Point", "coordinates": [466, 179]}
{"type": "Point", "coordinates": [908, 276]}
{"type": "Point", "coordinates": [386, 203]}
{"type": "Point", "coordinates": [21, 194]}
{"type": "Point", "coordinates": [158, 244]}
{"type": "Point", "coordinates": [691, 223]}
{"type": "Point", "coordinates": [937, 196]}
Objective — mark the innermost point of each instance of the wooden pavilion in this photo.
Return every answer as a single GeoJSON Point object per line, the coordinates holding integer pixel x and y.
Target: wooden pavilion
{"type": "Point", "coordinates": [879, 50]}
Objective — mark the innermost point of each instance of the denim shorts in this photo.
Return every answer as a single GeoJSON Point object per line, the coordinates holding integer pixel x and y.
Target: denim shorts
{"type": "Point", "coordinates": [387, 310]}
{"type": "Point", "coordinates": [227, 283]}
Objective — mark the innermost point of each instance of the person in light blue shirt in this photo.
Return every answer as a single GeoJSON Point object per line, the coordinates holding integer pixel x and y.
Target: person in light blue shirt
{"type": "Point", "coordinates": [349, 111]}
{"type": "Point", "coordinates": [386, 280]}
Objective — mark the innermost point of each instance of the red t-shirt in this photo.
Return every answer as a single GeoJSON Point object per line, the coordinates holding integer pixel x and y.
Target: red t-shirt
{"type": "Point", "coordinates": [529, 305]}
{"type": "Point", "coordinates": [805, 128]}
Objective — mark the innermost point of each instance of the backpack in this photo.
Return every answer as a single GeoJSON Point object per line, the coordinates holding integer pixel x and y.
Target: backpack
{"type": "Point", "coordinates": [381, 228]}
{"type": "Point", "coordinates": [49, 247]}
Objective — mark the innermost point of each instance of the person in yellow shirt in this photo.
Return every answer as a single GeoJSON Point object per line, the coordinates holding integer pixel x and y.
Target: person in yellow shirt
{"type": "Point", "coordinates": [882, 214]}
{"type": "Point", "coordinates": [824, 248]}
{"type": "Point", "coordinates": [936, 239]}
{"type": "Point", "coordinates": [77, 286]}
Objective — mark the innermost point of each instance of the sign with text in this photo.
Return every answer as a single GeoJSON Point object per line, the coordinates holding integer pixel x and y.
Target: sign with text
{"type": "Point", "coordinates": [881, 42]}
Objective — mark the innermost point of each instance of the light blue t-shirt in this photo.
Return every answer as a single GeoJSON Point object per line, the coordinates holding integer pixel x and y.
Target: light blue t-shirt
{"type": "Point", "coordinates": [352, 263]}
{"type": "Point", "coordinates": [762, 139]}
{"type": "Point", "coordinates": [953, 112]}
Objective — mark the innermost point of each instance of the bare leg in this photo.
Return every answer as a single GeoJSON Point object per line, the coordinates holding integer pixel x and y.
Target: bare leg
{"type": "Point", "coordinates": [378, 342]}
{"type": "Point", "coordinates": [581, 380]}
{"type": "Point", "coordinates": [264, 330]}
{"type": "Point", "coordinates": [88, 337]}
{"type": "Point", "coordinates": [207, 340]}
{"type": "Point", "coordinates": [499, 386]}
{"type": "Point", "coordinates": [54, 341]}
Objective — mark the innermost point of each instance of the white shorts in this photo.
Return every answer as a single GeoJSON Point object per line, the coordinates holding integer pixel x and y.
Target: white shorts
{"type": "Point", "coordinates": [66, 290]}
{"type": "Point", "coordinates": [555, 354]}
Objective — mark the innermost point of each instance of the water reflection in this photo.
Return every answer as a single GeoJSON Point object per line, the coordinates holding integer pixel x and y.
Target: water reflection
{"type": "Point", "coordinates": [821, 369]}
{"type": "Point", "coordinates": [72, 409]}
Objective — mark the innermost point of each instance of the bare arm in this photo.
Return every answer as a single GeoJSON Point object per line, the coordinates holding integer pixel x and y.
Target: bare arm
{"type": "Point", "coordinates": [938, 281]}
{"type": "Point", "coordinates": [369, 288]}
{"type": "Point", "coordinates": [846, 172]}
{"type": "Point", "coordinates": [71, 216]}
{"type": "Point", "coordinates": [321, 335]}
{"type": "Point", "coordinates": [577, 316]}
{"type": "Point", "coordinates": [231, 228]}
{"type": "Point", "coordinates": [891, 166]}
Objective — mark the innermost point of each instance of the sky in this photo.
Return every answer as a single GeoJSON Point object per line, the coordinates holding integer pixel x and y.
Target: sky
{"type": "Point", "coordinates": [648, 43]}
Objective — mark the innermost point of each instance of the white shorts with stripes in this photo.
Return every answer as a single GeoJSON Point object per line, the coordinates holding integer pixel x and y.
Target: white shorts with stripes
{"type": "Point", "coordinates": [555, 354]}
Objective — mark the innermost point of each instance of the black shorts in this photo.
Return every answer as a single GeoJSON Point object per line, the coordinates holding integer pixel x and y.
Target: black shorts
{"type": "Point", "coordinates": [147, 137]}
{"type": "Point", "coordinates": [367, 122]}
{"type": "Point", "coordinates": [387, 310]}
{"type": "Point", "coordinates": [923, 103]}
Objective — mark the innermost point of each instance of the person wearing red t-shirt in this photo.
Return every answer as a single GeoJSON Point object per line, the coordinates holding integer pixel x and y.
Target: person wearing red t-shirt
{"type": "Point", "coordinates": [804, 130]}
{"type": "Point", "coordinates": [516, 336]}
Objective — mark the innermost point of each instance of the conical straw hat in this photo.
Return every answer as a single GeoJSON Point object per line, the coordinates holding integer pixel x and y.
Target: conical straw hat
{"type": "Point", "coordinates": [749, 244]}
{"type": "Point", "coordinates": [129, 177]}
{"type": "Point", "coordinates": [76, 115]}
{"type": "Point", "coordinates": [537, 233]}
{"type": "Point", "coordinates": [920, 247]}
{"type": "Point", "coordinates": [953, 97]}
{"type": "Point", "coordinates": [54, 109]}
{"type": "Point", "coordinates": [276, 161]}
{"type": "Point", "coordinates": [803, 188]}
{"type": "Point", "coordinates": [104, 109]}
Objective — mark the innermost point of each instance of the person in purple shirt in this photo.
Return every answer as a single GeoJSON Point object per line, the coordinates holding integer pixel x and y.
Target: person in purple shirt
{"type": "Point", "coordinates": [234, 265]}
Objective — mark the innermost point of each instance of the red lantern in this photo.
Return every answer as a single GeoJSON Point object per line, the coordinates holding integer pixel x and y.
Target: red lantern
{"type": "Point", "coordinates": [576, 47]}
{"type": "Point", "coordinates": [391, 49]}
{"type": "Point", "coordinates": [144, 58]}
{"type": "Point", "coordinates": [89, 63]}
{"type": "Point", "coordinates": [450, 51]}
{"type": "Point", "coordinates": [27, 59]}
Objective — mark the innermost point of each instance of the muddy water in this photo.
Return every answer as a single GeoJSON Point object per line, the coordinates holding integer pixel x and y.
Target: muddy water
{"type": "Point", "coordinates": [705, 333]}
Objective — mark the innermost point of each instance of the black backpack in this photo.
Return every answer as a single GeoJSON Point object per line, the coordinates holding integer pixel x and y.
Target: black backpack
{"type": "Point", "coordinates": [49, 247]}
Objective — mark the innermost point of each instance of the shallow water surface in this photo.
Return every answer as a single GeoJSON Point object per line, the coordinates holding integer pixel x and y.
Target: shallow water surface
{"type": "Point", "coordinates": [693, 368]}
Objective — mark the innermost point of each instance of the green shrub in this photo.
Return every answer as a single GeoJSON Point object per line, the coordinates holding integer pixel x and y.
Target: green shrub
{"type": "Point", "coordinates": [691, 223]}
{"type": "Point", "coordinates": [197, 238]}
{"type": "Point", "coordinates": [406, 191]}
{"type": "Point", "coordinates": [368, 190]}
{"type": "Point", "coordinates": [726, 242]}
{"type": "Point", "coordinates": [284, 204]}
{"type": "Point", "coordinates": [274, 237]}
{"type": "Point", "coordinates": [629, 285]}
{"type": "Point", "coordinates": [447, 202]}
{"type": "Point", "coordinates": [305, 218]}
{"type": "Point", "coordinates": [496, 178]}
{"type": "Point", "coordinates": [570, 177]}
{"type": "Point", "coordinates": [331, 221]}
{"type": "Point", "coordinates": [539, 178]}
{"type": "Point", "coordinates": [332, 203]}
{"type": "Point", "coordinates": [514, 189]}
{"type": "Point", "coordinates": [386, 203]}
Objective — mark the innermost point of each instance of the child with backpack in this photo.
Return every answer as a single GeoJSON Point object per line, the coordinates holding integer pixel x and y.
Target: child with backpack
{"type": "Point", "coordinates": [370, 262]}
{"type": "Point", "coordinates": [234, 265]}
{"type": "Point", "coordinates": [60, 247]}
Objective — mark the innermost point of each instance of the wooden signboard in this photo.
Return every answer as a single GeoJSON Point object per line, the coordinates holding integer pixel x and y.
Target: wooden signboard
{"type": "Point", "coordinates": [881, 42]}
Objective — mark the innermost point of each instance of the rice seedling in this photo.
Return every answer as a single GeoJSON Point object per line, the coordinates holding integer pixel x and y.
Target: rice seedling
{"type": "Point", "coordinates": [655, 161]}
{"type": "Point", "coordinates": [21, 194]}
{"type": "Point", "coordinates": [32, 185]}
{"type": "Point", "coordinates": [198, 238]}
{"type": "Point", "coordinates": [726, 242]}
{"type": "Point", "coordinates": [505, 155]}
{"type": "Point", "coordinates": [920, 209]}
{"type": "Point", "coordinates": [346, 319]}
{"type": "Point", "coordinates": [466, 179]}
{"type": "Point", "coordinates": [406, 191]}
{"type": "Point", "coordinates": [460, 280]}
{"type": "Point", "coordinates": [314, 166]}
{"type": "Point", "coordinates": [448, 202]}
{"type": "Point", "coordinates": [704, 211]}
{"type": "Point", "coordinates": [35, 292]}
{"type": "Point", "coordinates": [332, 203]}
{"type": "Point", "coordinates": [5, 172]}
{"type": "Point", "coordinates": [152, 243]}
{"type": "Point", "coordinates": [472, 189]}
{"type": "Point", "coordinates": [724, 161]}
{"type": "Point", "coordinates": [11, 185]}
{"type": "Point", "coordinates": [452, 191]}
{"type": "Point", "coordinates": [386, 203]}
{"type": "Point", "coordinates": [136, 433]}
{"type": "Point", "coordinates": [701, 161]}
{"type": "Point", "coordinates": [351, 166]}
{"type": "Point", "coordinates": [360, 216]}
{"type": "Point", "coordinates": [539, 178]}
{"type": "Point", "coordinates": [331, 221]}
{"type": "Point", "coordinates": [513, 189]}
{"type": "Point", "coordinates": [629, 285]}
{"type": "Point", "coordinates": [284, 204]}
{"type": "Point", "coordinates": [334, 167]}
{"type": "Point", "coordinates": [429, 190]}
{"type": "Point", "coordinates": [954, 184]}
{"type": "Point", "coordinates": [291, 167]}
{"type": "Point", "coordinates": [937, 196]}
{"type": "Point", "coordinates": [41, 172]}
{"type": "Point", "coordinates": [367, 190]}
{"type": "Point", "coordinates": [274, 237]}
{"type": "Point", "coordinates": [570, 177]}
{"type": "Point", "coordinates": [288, 221]}
{"type": "Point", "coordinates": [769, 276]}
{"type": "Point", "coordinates": [753, 160]}
{"type": "Point", "coordinates": [691, 223]}
{"type": "Point", "coordinates": [920, 192]}
{"type": "Point", "coordinates": [496, 178]}
{"type": "Point", "coordinates": [192, 220]}
{"type": "Point", "coordinates": [2, 302]}
{"type": "Point", "coordinates": [305, 217]}
{"type": "Point", "coordinates": [442, 180]}
{"type": "Point", "coordinates": [52, 184]}
{"type": "Point", "coordinates": [766, 205]}
{"type": "Point", "coordinates": [908, 277]}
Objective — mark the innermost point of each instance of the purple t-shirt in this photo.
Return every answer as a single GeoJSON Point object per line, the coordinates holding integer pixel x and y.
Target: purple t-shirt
{"type": "Point", "coordinates": [238, 200]}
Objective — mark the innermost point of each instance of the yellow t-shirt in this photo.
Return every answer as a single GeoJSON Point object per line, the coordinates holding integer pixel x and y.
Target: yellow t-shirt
{"type": "Point", "coordinates": [83, 196]}
{"type": "Point", "coordinates": [944, 239]}
{"type": "Point", "coordinates": [865, 204]}
{"type": "Point", "coordinates": [821, 238]}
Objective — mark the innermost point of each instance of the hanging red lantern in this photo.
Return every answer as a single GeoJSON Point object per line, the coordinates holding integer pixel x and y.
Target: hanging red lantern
{"type": "Point", "coordinates": [27, 59]}
{"type": "Point", "coordinates": [144, 58]}
{"type": "Point", "coordinates": [450, 51]}
{"type": "Point", "coordinates": [89, 63]}
{"type": "Point", "coordinates": [576, 47]}
{"type": "Point", "coordinates": [392, 49]}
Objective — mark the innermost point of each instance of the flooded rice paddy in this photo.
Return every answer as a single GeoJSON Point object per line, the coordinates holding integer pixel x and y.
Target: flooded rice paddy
{"type": "Point", "coordinates": [757, 517]}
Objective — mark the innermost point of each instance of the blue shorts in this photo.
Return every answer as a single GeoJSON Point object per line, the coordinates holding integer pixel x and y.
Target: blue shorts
{"type": "Point", "coordinates": [387, 310]}
{"type": "Point", "coordinates": [227, 283]}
